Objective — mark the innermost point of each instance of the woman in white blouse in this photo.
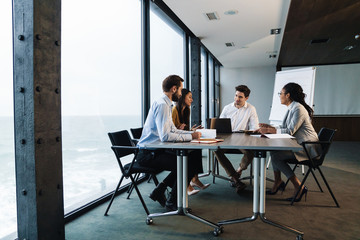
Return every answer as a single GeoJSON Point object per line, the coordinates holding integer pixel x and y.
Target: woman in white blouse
{"type": "Point", "coordinates": [297, 122]}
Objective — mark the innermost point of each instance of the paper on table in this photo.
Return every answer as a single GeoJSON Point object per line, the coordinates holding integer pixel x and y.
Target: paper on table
{"type": "Point", "coordinates": [207, 133]}
{"type": "Point", "coordinates": [207, 140]}
{"type": "Point", "coordinates": [278, 135]}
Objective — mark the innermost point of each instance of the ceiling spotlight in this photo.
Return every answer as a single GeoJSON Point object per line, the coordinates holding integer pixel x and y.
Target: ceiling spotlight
{"type": "Point", "coordinates": [230, 44]}
{"type": "Point", "coordinates": [275, 31]}
{"type": "Point", "coordinates": [348, 48]}
{"type": "Point", "coordinates": [231, 12]}
{"type": "Point", "coordinates": [357, 36]}
{"type": "Point", "coordinates": [272, 56]}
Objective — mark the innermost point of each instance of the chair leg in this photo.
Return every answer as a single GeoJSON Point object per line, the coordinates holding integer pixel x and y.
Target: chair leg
{"type": "Point", "coordinates": [301, 185]}
{"type": "Point", "coordinates": [131, 188]}
{"type": "Point", "coordinates": [139, 194]}
{"type": "Point", "coordinates": [287, 181]}
{"type": "Point", "coordinates": [216, 169]}
{"type": "Point", "coordinates": [317, 182]}
{"type": "Point", "coordinates": [113, 196]}
{"type": "Point", "coordinates": [153, 176]}
{"type": "Point", "coordinates": [327, 185]}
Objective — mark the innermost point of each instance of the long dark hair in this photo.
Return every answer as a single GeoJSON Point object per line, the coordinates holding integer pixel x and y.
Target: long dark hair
{"type": "Point", "coordinates": [183, 116]}
{"type": "Point", "coordinates": [297, 94]}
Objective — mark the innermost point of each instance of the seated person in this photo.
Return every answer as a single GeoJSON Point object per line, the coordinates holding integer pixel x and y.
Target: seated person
{"type": "Point", "coordinates": [159, 126]}
{"type": "Point", "coordinates": [243, 117]}
{"type": "Point", "coordinates": [181, 119]}
{"type": "Point", "coordinates": [297, 122]}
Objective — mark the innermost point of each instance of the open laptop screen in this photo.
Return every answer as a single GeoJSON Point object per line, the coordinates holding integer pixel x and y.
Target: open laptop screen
{"type": "Point", "coordinates": [222, 125]}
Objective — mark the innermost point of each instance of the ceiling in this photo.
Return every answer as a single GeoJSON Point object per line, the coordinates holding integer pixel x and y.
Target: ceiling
{"type": "Point", "coordinates": [300, 23]}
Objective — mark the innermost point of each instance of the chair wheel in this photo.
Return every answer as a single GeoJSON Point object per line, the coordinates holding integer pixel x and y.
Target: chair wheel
{"type": "Point", "coordinates": [299, 237]}
{"type": "Point", "coordinates": [149, 221]}
{"type": "Point", "coordinates": [217, 231]}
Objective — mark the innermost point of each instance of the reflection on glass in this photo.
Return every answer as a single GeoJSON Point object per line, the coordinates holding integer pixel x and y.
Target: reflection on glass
{"type": "Point", "coordinates": [7, 150]}
{"type": "Point", "coordinates": [101, 92]}
{"type": "Point", "coordinates": [166, 54]}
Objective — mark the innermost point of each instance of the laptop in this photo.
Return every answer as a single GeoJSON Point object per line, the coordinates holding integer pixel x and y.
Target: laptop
{"type": "Point", "coordinates": [222, 125]}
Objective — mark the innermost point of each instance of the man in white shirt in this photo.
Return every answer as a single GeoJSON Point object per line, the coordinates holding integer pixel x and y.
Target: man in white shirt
{"type": "Point", "coordinates": [243, 117]}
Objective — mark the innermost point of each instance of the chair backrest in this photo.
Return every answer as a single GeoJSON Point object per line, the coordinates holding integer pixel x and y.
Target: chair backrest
{"type": "Point", "coordinates": [121, 138]}
{"type": "Point", "coordinates": [325, 135]}
{"type": "Point", "coordinates": [136, 132]}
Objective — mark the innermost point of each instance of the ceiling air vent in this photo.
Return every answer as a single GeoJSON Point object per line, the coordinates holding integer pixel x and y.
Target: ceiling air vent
{"type": "Point", "coordinates": [230, 44]}
{"type": "Point", "coordinates": [212, 16]}
{"type": "Point", "coordinates": [275, 31]}
{"type": "Point", "coordinates": [319, 40]}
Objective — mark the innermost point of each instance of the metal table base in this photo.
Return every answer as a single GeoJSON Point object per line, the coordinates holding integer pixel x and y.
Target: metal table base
{"type": "Point", "coordinates": [259, 195]}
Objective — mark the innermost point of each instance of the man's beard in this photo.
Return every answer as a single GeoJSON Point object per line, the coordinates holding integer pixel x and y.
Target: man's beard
{"type": "Point", "coordinates": [175, 97]}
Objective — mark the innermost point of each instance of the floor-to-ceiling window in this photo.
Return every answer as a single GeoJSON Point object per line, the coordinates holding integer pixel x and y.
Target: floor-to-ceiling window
{"type": "Point", "coordinates": [7, 155]}
{"type": "Point", "coordinates": [166, 52]}
{"type": "Point", "coordinates": [101, 91]}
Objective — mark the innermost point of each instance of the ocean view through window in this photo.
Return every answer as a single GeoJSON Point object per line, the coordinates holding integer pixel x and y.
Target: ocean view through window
{"type": "Point", "coordinates": [101, 92]}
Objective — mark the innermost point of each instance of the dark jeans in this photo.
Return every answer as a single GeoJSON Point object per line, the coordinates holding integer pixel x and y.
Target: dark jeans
{"type": "Point", "coordinates": [167, 160]}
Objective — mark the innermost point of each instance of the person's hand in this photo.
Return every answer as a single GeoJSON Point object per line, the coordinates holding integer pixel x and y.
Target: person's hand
{"type": "Point", "coordinates": [196, 135]}
{"type": "Point", "coordinates": [182, 126]}
{"type": "Point", "coordinates": [193, 128]}
{"type": "Point", "coordinates": [264, 125]}
{"type": "Point", "coordinates": [265, 130]}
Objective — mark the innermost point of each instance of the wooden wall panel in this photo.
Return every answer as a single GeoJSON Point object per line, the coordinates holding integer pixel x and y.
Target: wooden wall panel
{"type": "Point", "coordinates": [348, 127]}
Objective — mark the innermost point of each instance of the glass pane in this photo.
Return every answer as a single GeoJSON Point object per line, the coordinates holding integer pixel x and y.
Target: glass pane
{"type": "Point", "coordinates": [101, 91]}
{"type": "Point", "coordinates": [211, 88]}
{"type": "Point", "coordinates": [166, 54]}
{"type": "Point", "coordinates": [204, 102]}
{"type": "Point", "coordinates": [7, 150]}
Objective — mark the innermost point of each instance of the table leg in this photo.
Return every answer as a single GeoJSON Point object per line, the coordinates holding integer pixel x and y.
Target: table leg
{"type": "Point", "coordinates": [255, 198]}
{"type": "Point", "coordinates": [263, 199]}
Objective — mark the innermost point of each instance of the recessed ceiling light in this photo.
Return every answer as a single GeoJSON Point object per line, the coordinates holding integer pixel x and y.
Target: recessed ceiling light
{"type": "Point", "coordinates": [275, 31]}
{"type": "Point", "coordinates": [231, 12]}
{"type": "Point", "coordinates": [212, 16]}
{"type": "Point", "coordinates": [320, 40]}
{"type": "Point", "coordinates": [357, 36]}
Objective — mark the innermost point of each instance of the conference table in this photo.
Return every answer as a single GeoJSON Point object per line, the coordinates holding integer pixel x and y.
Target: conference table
{"type": "Point", "coordinates": [260, 145]}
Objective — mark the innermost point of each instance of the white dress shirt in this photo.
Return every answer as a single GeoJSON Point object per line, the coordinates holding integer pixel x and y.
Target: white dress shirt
{"type": "Point", "coordinates": [244, 118]}
{"type": "Point", "coordinates": [159, 125]}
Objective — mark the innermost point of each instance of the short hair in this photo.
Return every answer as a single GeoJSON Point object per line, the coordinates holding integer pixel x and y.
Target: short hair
{"type": "Point", "coordinates": [170, 81]}
{"type": "Point", "coordinates": [244, 89]}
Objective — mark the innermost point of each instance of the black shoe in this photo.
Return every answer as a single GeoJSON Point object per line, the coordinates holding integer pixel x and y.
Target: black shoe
{"type": "Point", "coordinates": [171, 202]}
{"type": "Point", "coordinates": [158, 194]}
{"type": "Point", "coordinates": [304, 191]}
{"type": "Point", "coordinates": [280, 187]}
{"type": "Point", "coordinates": [239, 187]}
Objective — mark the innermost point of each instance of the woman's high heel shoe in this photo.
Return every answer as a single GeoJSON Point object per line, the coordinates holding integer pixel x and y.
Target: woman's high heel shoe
{"type": "Point", "coordinates": [201, 187]}
{"type": "Point", "coordinates": [280, 187]}
{"type": "Point", "coordinates": [304, 191]}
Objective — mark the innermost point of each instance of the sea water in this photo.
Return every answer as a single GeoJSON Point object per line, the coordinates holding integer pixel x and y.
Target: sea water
{"type": "Point", "coordinates": [90, 168]}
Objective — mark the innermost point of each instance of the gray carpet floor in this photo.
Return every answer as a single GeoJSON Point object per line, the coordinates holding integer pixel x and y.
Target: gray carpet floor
{"type": "Point", "coordinates": [317, 217]}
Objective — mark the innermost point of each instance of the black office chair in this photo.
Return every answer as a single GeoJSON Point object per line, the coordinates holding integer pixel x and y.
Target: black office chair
{"type": "Point", "coordinates": [123, 146]}
{"type": "Point", "coordinates": [325, 136]}
{"type": "Point", "coordinates": [136, 133]}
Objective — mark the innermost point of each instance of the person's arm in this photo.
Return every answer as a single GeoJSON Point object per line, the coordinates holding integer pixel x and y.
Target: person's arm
{"type": "Point", "coordinates": [166, 128]}
{"type": "Point", "coordinates": [175, 117]}
{"type": "Point", "coordinates": [297, 117]}
{"type": "Point", "coordinates": [253, 120]}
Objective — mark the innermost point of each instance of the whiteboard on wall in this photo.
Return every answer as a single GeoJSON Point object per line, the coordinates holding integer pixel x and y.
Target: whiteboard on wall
{"type": "Point", "coordinates": [305, 77]}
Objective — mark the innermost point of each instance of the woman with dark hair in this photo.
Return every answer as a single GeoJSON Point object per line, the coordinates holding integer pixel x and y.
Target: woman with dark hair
{"type": "Point", "coordinates": [297, 122]}
{"type": "Point", "coordinates": [181, 119]}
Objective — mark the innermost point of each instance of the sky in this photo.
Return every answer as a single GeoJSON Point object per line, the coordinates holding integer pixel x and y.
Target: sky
{"type": "Point", "coordinates": [101, 57]}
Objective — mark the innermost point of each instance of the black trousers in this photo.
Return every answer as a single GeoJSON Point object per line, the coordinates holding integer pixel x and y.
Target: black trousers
{"type": "Point", "coordinates": [167, 160]}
